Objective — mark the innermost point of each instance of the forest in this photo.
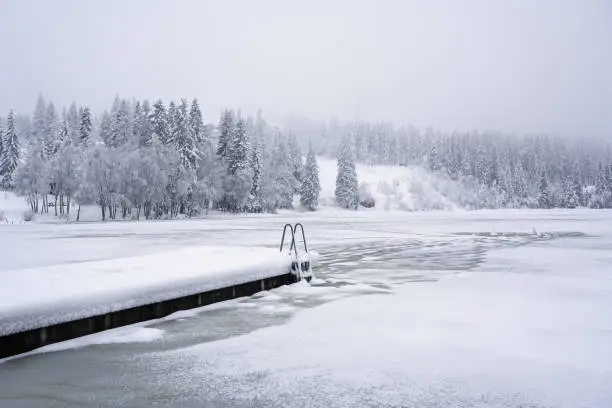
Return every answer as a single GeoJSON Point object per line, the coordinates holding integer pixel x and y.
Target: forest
{"type": "Point", "coordinates": [152, 160]}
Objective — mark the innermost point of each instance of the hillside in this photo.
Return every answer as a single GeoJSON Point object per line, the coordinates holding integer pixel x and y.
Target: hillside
{"type": "Point", "coordinates": [396, 187]}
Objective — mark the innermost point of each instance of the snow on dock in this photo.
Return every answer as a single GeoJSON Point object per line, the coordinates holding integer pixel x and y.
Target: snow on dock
{"type": "Point", "coordinates": [33, 298]}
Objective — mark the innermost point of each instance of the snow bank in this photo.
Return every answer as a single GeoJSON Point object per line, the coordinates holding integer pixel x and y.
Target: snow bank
{"type": "Point", "coordinates": [31, 298]}
{"type": "Point", "coordinates": [395, 187]}
{"type": "Point", "coordinates": [12, 208]}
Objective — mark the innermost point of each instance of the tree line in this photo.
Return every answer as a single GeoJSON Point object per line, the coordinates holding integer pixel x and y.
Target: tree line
{"type": "Point", "coordinates": [152, 161]}
{"type": "Point", "coordinates": [163, 161]}
{"type": "Point", "coordinates": [494, 170]}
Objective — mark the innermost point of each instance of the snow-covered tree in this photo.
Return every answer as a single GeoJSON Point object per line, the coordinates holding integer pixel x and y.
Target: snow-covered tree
{"type": "Point", "coordinates": [296, 162]}
{"type": "Point", "coordinates": [433, 160]}
{"type": "Point", "coordinates": [39, 120]}
{"type": "Point", "coordinates": [182, 137]}
{"type": "Point", "coordinates": [31, 178]}
{"type": "Point", "coordinates": [63, 136]}
{"type": "Point", "coordinates": [101, 176]}
{"type": "Point", "coordinates": [210, 174]}
{"type": "Point", "coordinates": [173, 122]}
{"type": "Point", "coordinates": [311, 186]}
{"type": "Point", "coordinates": [238, 149]}
{"type": "Point", "coordinates": [226, 130]}
{"type": "Point", "coordinates": [120, 123]}
{"type": "Point", "coordinates": [254, 203]}
{"type": "Point", "coordinates": [146, 127]}
{"type": "Point", "coordinates": [65, 174]}
{"type": "Point", "coordinates": [543, 192]}
{"type": "Point", "coordinates": [237, 184]}
{"type": "Point", "coordinates": [85, 127]}
{"type": "Point", "coordinates": [281, 176]}
{"type": "Point", "coordinates": [73, 122]}
{"type": "Point", "coordinates": [10, 154]}
{"type": "Point", "coordinates": [347, 185]}
{"type": "Point", "coordinates": [196, 124]}
{"type": "Point", "coordinates": [159, 121]}
{"type": "Point", "coordinates": [51, 130]}
{"type": "Point", "coordinates": [609, 185]}
{"type": "Point", "coordinates": [137, 122]}
{"type": "Point", "coordinates": [105, 129]}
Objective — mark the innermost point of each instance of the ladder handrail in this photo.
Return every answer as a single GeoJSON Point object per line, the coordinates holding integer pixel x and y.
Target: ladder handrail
{"type": "Point", "coordinates": [299, 266]}
{"type": "Point", "coordinates": [283, 238]}
{"type": "Point", "coordinates": [295, 228]}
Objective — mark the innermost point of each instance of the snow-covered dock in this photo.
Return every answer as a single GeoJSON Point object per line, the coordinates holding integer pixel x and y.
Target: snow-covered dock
{"type": "Point", "coordinates": [45, 305]}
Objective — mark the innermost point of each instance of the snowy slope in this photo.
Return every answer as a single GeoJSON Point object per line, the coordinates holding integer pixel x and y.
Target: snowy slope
{"type": "Point", "coordinates": [31, 298]}
{"type": "Point", "coordinates": [12, 208]}
{"type": "Point", "coordinates": [395, 187]}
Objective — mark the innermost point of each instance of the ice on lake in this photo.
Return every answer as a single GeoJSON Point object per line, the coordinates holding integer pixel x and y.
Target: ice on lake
{"type": "Point", "coordinates": [423, 309]}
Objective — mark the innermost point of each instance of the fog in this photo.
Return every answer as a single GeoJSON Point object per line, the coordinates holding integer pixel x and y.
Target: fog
{"type": "Point", "coordinates": [515, 66]}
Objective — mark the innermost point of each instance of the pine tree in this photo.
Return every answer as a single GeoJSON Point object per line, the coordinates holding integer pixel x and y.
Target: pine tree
{"type": "Point", "coordinates": [254, 203]}
{"type": "Point", "coordinates": [63, 137]}
{"type": "Point", "coordinates": [182, 137]}
{"type": "Point", "coordinates": [360, 144]}
{"type": "Point", "coordinates": [11, 152]}
{"type": "Point", "coordinates": [432, 159]}
{"type": "Point", "coordinates": [577, 184]}
{"type": "Point", "coordinates": [282, 179]}
{"type": "Point", "coordinates": [51, 131]}
{"type": "Point", "coordinates": [609, 184]}
{"type": "Point", "coordinates": [105, 129]}
{"type": "Point", "coordinates": [372, 148]}
{"type": "Point", "coordinates": [146, 130]}
{"type": "Point", "coordinates": [226, 130]}
{"type": "Point", "coordinates": [311, 186]}
{"type": "Point", "coordinates": [568, 198]}
{"type": "Point", "coordinates": [543, 192]}
{"type": "Point", "coordinates": [85, 127]}
{"type": "Point", "coordinates": [196, 123]}
{"type": "Point", "coordinates": [600, 180]}
{"type": "Point", "coordinates": [73, 122]}
{"type": "Point", "coordinates": [39, 121]}
{"type": "Point", "coordinates": [382, 148]}
{"type": "Point", "coordinates": [120, 123]}
{"type": "Point", "coordinates": [347, 186]}
{"type": "Point", "coordinates": [173, 122]}
{"type": "Point", "coordinates": [297, 166]}
{"type": "Point", "coordinates": [392, 148]}
{"type": "Point", "coordinates": [404, 149]}
{"type": "Point", "coordinates": [137, 122]}
{"type": "Point", "coordinates": [159, 121]}
{"type": "Point", "coordinates": [238, 149]}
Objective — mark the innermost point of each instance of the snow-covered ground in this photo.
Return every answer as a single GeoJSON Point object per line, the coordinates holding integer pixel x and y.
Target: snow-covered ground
{"type": "Point", "coordinates": [12, 208]}
{"type": "Point", "coordinates": [440, 309]}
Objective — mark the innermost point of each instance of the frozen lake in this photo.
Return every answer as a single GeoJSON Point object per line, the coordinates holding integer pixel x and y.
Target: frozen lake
{"type": "Point", "coordinates": [474, 309]}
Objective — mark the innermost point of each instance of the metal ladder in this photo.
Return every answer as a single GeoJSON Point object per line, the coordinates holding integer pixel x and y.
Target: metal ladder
{"type": "Point", "coordinates": [300, 265]}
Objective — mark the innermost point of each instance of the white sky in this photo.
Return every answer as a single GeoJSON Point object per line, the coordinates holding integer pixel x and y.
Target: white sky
{"type": "Point", "coordinates": [515, 65]}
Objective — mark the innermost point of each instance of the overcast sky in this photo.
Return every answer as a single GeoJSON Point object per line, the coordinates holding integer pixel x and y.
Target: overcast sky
{"type": "Point", "coordinates": [515, 65]}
